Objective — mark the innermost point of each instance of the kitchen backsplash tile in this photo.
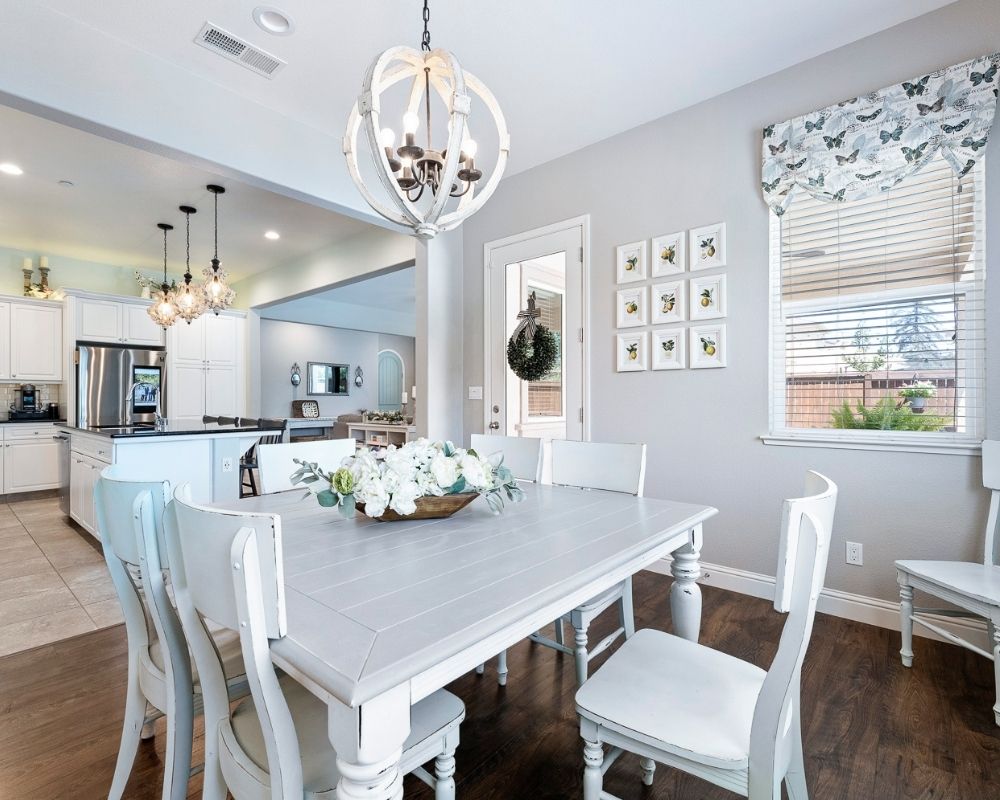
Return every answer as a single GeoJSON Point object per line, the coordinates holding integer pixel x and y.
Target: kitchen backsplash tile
{"type": "Point", "coordinates": [47, 393]}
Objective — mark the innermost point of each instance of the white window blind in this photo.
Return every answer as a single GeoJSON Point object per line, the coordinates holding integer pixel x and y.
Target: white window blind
{"type": "Point", "coordinates": [877, 314]}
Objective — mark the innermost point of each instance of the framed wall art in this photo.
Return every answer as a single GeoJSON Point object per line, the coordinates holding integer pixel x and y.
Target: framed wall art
{"type": "Point", "coordinates": [668, 348]}
{"type": "Point", "coordinates": [708, 346]}
{"type": "Point", "coordinates": [708, 246]}
{"type": "Point", "coordinates": [669, 254]}
{"type": "Point", "coordinates": [631, 353]}
{"type": "Point", "coordinates": [668, 302]}
{"type": "Point", "coordinates": [631, 262]}
{"type": "Point", "coordinates": [708, 297]}
{"type": "Point", "coordinates": [631, 310]}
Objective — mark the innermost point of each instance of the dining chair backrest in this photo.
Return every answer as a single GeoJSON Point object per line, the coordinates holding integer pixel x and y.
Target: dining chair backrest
{"type": "Point", "coordinates": [277, 461]}
{"type": "Point", "coordinates": [599, 465]}
{"type": "Point", "coordinates": [228, 569]}
{"type": "Point", "coordinates": [521, 455]}
{"type": "Point", "coordinates": [806, 528]}
{"type": "Point", "coordinates": [991, 481]}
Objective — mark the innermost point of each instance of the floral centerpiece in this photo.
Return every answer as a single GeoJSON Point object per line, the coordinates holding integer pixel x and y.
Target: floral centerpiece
{"type": "Point", "coordinates": [420, 479]}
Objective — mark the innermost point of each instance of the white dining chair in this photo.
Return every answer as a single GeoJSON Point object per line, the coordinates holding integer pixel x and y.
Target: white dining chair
{"type": "Point", "coordinates": [228, 568]}
{"type": "Point", "coordinates": [160, 679]}
{"type": "Point", "coordinates": [973, 587]}
{"type": "Point", "coordinates": [523, 456]}
{"type": "Point", "coordinates": [672, 701]}
{"type": "Point", "coordinates": [609, 467]}
{"type": "Point", "coordinates": [276, 462]}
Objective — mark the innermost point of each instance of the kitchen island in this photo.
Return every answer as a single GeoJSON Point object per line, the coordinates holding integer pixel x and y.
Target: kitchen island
{"type": "Point", "coordinates": [205, 454]}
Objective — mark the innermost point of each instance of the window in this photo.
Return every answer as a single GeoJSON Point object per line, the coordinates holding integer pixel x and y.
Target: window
{"type": "Point", "coordinates": [877, 315]}
{"type": "Point", "coordinates": [545, 396]}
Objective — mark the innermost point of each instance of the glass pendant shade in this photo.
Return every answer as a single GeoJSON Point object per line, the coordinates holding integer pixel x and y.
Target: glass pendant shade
{"type": "Point", "coordinates": [164, 309]}
{"type": "Point", "coordinates": [190, 300]}
{"type": "Point", "coordinates": [216, 292]}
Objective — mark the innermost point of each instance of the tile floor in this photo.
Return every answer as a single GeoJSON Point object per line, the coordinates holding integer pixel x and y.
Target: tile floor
{"type": "Point", "coordinates": [53, 580]}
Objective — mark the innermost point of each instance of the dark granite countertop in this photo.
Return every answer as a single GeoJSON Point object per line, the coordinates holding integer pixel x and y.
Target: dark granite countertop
{"type": "Point", "coordinates": [173, 428]}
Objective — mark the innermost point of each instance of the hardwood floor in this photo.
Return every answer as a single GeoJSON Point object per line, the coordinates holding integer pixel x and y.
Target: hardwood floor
{"type": "Point", "coordinates": [872, 728]}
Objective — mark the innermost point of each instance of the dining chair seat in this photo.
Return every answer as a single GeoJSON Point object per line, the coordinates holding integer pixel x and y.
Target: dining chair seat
{"type": "Point", "coordinates": [595, 605]}
{"type": "Point", "coordinates": [436, 715]}
{"type": "Point", "coordinates": [708, 722]}
{"type": "Point", "coordinates": [967, 578]}
{"type": "Point", "coordinates": [226, 642]}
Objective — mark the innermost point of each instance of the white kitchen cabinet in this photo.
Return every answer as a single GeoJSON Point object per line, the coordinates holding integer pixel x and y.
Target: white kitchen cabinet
{"type": "Point", "coordinates": [205, 372]}
{"type": "Point", "coordinates": [186, 389]}
{"type": "Point", "coordinates": [222, 339]}
{"type": "Point", "coordinates": [4, 341]}
{"type": "Point", "coordinates": [221, 392]}
{"type": "Point", "coordinates": [138, 328]}
{"type": "Point", "coordinates": [83, 474]}
{"type": "Point", "coordinates": [30, 465]}
{"type": "Point", "coordinates": [115, 322]}
{"type": "Point", "coordinates": [36, 342]}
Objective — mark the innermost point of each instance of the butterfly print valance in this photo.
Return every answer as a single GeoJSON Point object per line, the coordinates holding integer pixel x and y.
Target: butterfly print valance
{"type": "Point", "coordinates": [868, 144]}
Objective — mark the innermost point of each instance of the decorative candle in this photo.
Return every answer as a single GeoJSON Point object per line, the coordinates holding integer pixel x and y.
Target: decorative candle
{"type": "Point", "coordinates": [43, 262]}
{"type": "Point", "coordinates": [404, 399]}
{"type": "Point", "coordinates": [26, 265]}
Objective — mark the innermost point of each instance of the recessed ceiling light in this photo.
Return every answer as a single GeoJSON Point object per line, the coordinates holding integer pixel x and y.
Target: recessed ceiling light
{"type": "Point", "coordinates": [10, 169]}
{"type": "Point", "coordinates": [273, 20]}
{"type": "Point", "coordinates": [272, 235]}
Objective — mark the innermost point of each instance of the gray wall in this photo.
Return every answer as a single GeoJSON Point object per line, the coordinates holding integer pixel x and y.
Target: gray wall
{"type": "Point", "coordinates": [699, 166]}
{"type": "Point", "coordinates": [284, 343]}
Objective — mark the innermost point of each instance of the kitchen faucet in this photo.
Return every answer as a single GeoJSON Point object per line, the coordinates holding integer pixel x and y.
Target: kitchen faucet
{"type": "Point", "coordinates": [159, 423]}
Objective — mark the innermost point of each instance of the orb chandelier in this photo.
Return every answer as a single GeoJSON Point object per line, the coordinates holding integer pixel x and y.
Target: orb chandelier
{"type": "Point", "coordinates": [424, 171]}
{"type": "Point", "coordinates": [216, 291]}
{"type": "Point", "coordinates": [163, 311]}
{"type": "Point", "coordinates": [190, 301]}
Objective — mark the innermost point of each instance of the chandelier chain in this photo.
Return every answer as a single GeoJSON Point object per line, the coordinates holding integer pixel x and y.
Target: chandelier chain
{"type": "Point", "coordinates": [216, 226]}
{"type": "Point", "coordinates": [425, 42]}
{"type": "Point", "coordinates": [187, 270]}
{"type": "Point", "coordinates": [164, 256]}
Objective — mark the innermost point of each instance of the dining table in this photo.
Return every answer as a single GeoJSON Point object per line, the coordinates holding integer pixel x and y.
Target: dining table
{"type": "Point", "coordinates": [382, 614]}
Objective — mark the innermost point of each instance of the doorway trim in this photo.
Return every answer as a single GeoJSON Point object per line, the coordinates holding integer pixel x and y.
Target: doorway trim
{"type": "Point", "coordinates": [583, 223]}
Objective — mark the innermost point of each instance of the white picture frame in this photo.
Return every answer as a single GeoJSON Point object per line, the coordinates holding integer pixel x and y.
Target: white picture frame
{"type": "Point", "coordinates": [631, 308]}
{"type": "Point", "coordinates": [663, 312]}
{"type": "Point", "coordinates": [668, 254]}
{"type": "Point", "coordinates": [630, 261]}
{"type": "Point", "coordinates": [707, 246]}
{"type": "Point", "coordinates": [707, 298]}
{"type": "Point", "coordinates": [627, 344]}
{"type": "Point", "coordinates": [707, 346]}
{"type": "Point", "coordinates": [669, 348]}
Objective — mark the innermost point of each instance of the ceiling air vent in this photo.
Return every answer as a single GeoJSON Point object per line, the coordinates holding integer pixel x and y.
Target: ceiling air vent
{"type": "Point", "coordinates": [225, 44]}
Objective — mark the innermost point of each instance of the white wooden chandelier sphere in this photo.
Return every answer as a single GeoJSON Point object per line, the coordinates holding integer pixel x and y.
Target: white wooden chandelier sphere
{"type": "Point", "coordinates": [452, 168]}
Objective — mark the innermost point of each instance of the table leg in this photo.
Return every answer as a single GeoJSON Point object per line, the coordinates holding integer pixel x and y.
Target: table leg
{"type": "Point", "coordinates": [685, 594]}
{"type": "Point", "coordinates": [369, 743]}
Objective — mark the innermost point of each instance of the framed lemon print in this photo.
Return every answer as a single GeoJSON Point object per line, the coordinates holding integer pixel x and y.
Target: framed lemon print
{"type": "Point", "coordinates": [631, 259]}
{"type": "Point", "coordinates": [708, 297]}
{"type": "Point", "coordinates": [668, 302]}
{"type": "Point", "coordinates": [668, 348]}
{"type": "Point", "coordinates": [708, 246]}
{"type": "Point", "coordinates": [669, 256]}
{"type": "Point", "coordinates": [631, 351]}
{"type": "Point", "coordinates": [707, 345]}
{"type": "Point", "coordinates": [631, 307]}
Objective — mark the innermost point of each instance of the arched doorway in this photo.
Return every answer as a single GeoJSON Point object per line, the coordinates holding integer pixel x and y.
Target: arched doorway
{"type": "Point", "coordinates": [390, 381]}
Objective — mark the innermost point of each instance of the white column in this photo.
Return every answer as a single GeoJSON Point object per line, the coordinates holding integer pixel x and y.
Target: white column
{"type": "Point", "coordinates": [439, 337]}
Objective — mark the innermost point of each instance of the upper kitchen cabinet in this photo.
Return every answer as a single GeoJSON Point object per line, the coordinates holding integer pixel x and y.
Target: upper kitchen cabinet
{"type": "Point", "coordinates": [114, 321]}
{"type": "Point", "coordinates": [33, 347]}
{"type": "Point", "coordinates": [209, 340]}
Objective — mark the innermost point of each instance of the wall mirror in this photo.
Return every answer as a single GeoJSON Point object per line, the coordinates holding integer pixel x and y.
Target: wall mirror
{"type": "Point", "coordinates": [327, 378]}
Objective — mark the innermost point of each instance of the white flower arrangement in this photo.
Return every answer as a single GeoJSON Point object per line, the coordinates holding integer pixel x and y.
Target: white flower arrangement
{"type": "Point", "coordinates": [404, 474]}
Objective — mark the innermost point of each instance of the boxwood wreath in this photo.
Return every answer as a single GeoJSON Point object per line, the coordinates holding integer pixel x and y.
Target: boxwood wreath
{"type": "Point", "coordinates": [532, 358]}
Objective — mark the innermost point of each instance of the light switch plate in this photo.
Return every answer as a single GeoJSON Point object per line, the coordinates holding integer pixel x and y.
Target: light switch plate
{"type": "Point", "coordinates": [475, 392]}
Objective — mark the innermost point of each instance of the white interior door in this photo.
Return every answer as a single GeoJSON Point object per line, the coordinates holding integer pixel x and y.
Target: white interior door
{"type": "Point", "coordinates": [549, 264]}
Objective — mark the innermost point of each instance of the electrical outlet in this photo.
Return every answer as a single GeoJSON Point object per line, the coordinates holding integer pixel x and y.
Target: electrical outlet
{"type": "Point", "coordinates": [855, 553]}
{"type": "Point", "coordinates": [227, 465]}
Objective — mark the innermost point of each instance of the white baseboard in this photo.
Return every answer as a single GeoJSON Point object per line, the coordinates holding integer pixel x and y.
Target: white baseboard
{"type": "Point", "coordinates": [856, 607]}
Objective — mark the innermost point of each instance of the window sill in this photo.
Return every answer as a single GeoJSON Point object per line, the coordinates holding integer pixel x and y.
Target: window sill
{"type": "Point", "coordinates": [873, 442]}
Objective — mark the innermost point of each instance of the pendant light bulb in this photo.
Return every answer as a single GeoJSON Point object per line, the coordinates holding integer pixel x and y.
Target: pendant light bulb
{"type": "Point", "coordinates": [216, 292]}
{"type": "Point", "coordinates": [190, 299]}
{"type": "Point", "coordinates": [164, 309]}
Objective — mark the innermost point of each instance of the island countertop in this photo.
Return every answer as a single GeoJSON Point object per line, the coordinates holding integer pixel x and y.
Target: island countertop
{"type": "Point", "coordinates": [173, 428]}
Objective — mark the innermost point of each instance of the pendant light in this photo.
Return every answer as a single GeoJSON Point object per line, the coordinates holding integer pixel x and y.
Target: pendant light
{"type": "Point", "coordinates": [163, 311]}
{"type": "Point", "coordinates": [218, 294]}
{"type": "Point", "coordinates": [190, 302]}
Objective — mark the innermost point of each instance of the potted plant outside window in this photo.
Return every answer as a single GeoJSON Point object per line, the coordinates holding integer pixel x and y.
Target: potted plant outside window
{"type": "Point", "coordinates": [915, 395]}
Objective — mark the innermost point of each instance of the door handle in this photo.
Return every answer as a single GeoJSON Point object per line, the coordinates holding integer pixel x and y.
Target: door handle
{"type": "Point", "coordinates": [494, 426]}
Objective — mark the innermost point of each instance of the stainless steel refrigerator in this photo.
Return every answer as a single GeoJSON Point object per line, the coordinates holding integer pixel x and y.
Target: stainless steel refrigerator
{"type": "Point", "coordinates": [118, 386]}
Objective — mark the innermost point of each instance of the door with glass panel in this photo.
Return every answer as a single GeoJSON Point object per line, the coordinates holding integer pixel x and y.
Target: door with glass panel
{"type": "Point", "coordinates": [548, 269]}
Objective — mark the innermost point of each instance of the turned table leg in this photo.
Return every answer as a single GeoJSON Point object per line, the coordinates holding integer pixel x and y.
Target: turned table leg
{"type": "Point", "coordinates": [685, 594]}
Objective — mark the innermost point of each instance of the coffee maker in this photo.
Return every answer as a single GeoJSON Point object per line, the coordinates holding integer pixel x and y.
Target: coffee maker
{"type": "Point", "coordinates": [28, 404]}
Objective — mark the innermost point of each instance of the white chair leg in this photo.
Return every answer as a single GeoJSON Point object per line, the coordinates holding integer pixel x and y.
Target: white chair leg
{"type": "Point", "coordinates": [593, 774]}
{"type": "Point", "coordinates": [560, 636]}
{"type": "Point", "coordinates": [135, 716]}
{"type": "Point", "coordinates": [648, 767]}
{"type": "Point", "coordinates": [480, 669]}
{"type": "Point", "coordinates": [795, 779]}
{"type": "Point", "coordinates": [502, 668]}
{"type": "Point", "coordinates": [906, 623]}
{"type": "Point", "coordinates": [444, 776]}
{"type": "Point", "coordinates": [581, 651]}
{"type": "Point", "coordinates": [996, 669]}
{"type": "Point", "coordinates": [177, 769]}
{"type": "Point", "coordinates": [627, 610]}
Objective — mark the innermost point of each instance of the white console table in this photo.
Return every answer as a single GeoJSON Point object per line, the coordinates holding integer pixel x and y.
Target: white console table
{"type": "Point", "coordinates": [381, 434]}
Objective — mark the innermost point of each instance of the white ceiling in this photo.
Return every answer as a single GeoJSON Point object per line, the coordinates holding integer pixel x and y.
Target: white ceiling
{"type": "Point", "coordinates": [385, 303]}
{"type": "Point", "coordinates": [566, 72]}
{"type": "Point", "coordinates": [120, 193]}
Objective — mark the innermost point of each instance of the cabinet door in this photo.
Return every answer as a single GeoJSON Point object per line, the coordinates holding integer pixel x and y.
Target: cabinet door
{"type": "Point", "coordinates": [187, 392]}
{"type": "Point", "coordinates": [35, 342]}
{"type": "Point", "coordinates": [222, 335]}
{"type": "Point", "coordinates": [188, 343]}
{"type": "Point", "coordinates": [138, 328]}
{"type": "Point", "coordinates": [4, 341]}
{"type": "Point", "coordinates": [79, 481]}
{"type": "Point", "coordinates": [30, 465]}
{"type": "Point", "coordinates": [221, 395]}
{"type": "Point", "coordinates": [99, 321]}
